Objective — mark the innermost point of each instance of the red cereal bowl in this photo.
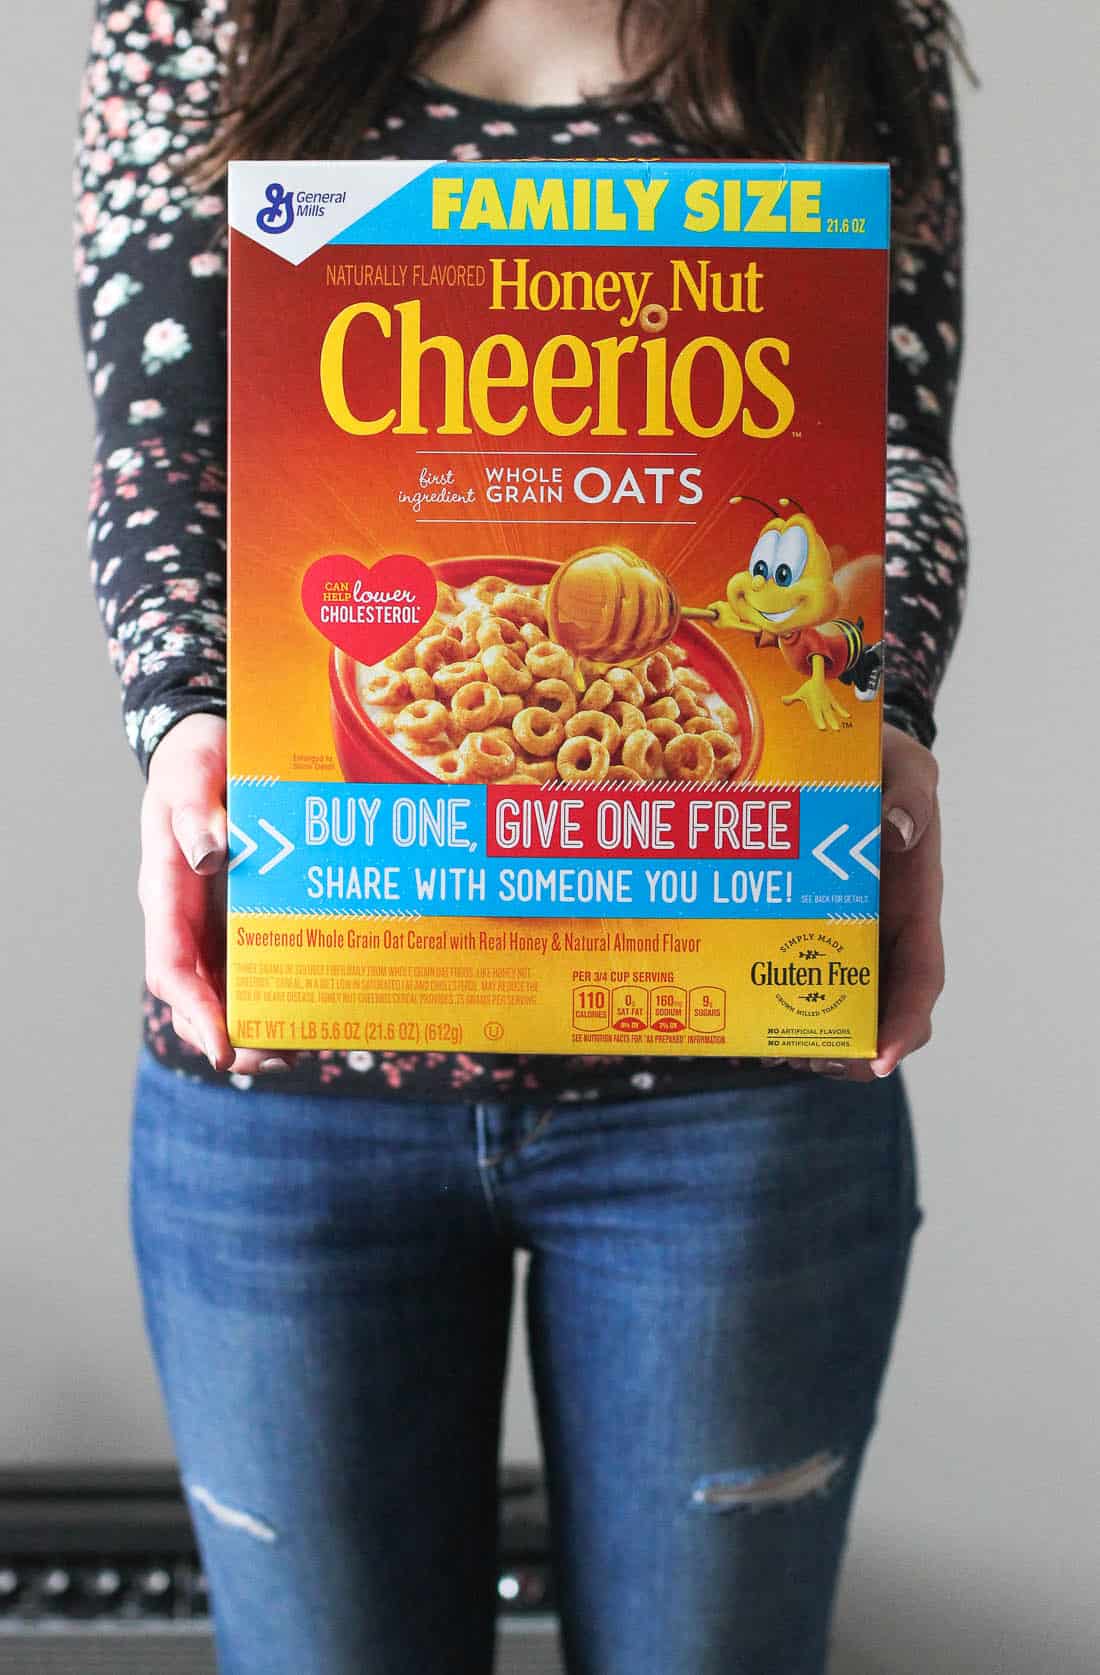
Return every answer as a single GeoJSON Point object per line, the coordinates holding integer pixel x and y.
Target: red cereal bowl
{"type": "Point", "coordinates": [366, 755]}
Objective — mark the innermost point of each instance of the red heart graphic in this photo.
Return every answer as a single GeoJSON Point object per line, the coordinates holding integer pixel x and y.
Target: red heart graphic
{"type": "Point", "coordinates": [368, 612]}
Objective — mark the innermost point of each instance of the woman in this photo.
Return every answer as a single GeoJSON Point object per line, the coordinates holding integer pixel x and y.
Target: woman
{"type": "Point", "coordinates": [326, 1243]}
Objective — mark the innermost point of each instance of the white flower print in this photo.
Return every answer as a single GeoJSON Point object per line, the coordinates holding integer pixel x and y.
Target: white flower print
{"type": "Point", "coordinates": [360, 1061]}
{"type": "Point", "coordinates": [908, 345]}
{"type": "Point", "coordinates": [154, 722]}
{"type": "Point", "coordinates": [115, 293]}
{"type": "Point", "coordinates": [149, 144]}
{"type": "Point", "coordinates": [164, 342]}
{"type": "Point", "coordinates": [112, 235]}
{"type": "Point", "coordinates": [142, 411]}
{"type": "Point", "coordinates": [196, 61]}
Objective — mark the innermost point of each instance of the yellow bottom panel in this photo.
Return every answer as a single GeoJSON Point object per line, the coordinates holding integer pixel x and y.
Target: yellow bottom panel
{"type": "Point", "coordinates": [759, 988]}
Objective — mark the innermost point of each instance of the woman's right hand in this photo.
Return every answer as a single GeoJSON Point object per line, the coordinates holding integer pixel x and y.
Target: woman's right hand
{"type": "Point", "coordinates": [181, 887]}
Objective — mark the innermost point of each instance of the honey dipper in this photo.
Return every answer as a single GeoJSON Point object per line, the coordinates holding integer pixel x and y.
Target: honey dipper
{"type": "Point", "coordinates": [610, 606]}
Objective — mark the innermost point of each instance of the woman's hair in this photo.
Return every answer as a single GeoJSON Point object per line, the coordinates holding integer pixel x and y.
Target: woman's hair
{"type": "Point", "coordinates": [766, 78]}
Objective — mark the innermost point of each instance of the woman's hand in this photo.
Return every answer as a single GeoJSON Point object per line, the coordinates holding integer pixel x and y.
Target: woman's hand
{"type": "Point", "coordinates": [181, 887]}
{"type": "Point", "coordinates": [911, 891]}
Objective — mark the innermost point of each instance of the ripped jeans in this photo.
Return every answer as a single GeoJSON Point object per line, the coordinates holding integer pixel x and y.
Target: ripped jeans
{"type": "Point", "coordinates": [712, 1292]}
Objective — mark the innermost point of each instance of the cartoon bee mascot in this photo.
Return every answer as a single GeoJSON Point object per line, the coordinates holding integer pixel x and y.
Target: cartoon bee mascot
{"type": "Point", "coordinates": [788, 597]}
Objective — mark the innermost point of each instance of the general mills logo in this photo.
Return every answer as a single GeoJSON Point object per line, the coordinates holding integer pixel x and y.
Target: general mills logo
{"type": "Point", "coordinates": [278, 217]}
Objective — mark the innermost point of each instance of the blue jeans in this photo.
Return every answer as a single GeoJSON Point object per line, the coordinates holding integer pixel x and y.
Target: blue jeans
{"type": "Point", "coordinates": [712, 1293]}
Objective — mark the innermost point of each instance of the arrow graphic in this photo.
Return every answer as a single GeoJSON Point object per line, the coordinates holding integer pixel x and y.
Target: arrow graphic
{"type": "Point", "coordinates": [249, 846]}
{"type": "Point", "coordinates": [827, 860]}
{"type": "Point", "coordinates": [857, 854]}
{"type": "Point", "coordinates": [280, 837]}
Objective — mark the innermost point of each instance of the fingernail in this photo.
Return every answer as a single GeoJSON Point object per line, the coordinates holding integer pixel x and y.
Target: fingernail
{"type": "Point", "coordinates": [833, 1067]}
{"type": "Point", "coordinates": [903, 824]}
{"type": "Point", "coordinates": [881, 1074]}
{"type": "Point", "coordinates": [202, 850]}
{"type": "Point", "coordinates": [210, 1052]}
{"type": "Point", "coordinates": [274, 1064]}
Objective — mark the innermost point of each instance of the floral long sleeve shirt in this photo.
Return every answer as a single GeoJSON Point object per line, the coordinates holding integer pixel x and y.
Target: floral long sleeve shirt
{"type": "Point", "coordinates": [151, 280]}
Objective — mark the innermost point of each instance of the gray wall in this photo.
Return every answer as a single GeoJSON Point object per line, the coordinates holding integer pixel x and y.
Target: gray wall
{"type": "Point", "coordinates": [975, 1546]}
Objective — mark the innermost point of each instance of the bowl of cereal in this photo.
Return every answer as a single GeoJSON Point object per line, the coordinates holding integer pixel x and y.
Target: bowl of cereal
{"type": "Point", "coordinates": [484, 693]}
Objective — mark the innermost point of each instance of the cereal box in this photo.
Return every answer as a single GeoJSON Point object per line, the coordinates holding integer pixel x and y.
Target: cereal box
{"type": "Point", "coordinates": [555, 606]}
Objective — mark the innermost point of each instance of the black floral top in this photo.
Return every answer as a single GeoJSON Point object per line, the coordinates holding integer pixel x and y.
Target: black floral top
{"type": "Point", "coordinates": [151, 276]}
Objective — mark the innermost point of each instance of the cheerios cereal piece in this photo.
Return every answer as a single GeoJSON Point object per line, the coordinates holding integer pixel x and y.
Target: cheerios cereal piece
{"type": "Point", "coordinates": [475, 706]}
{"type": "Point", "coordinates": [693, 680]}
{"type": "Point", "coordinates": [516, 606]}
{"type": "Point", "coordinates": [465, 645]}
{"type": "Point", "coordinates": [655, 675]}
{"type": "Point", "coordinates": [689, 757]}
{"type": "Point", "coordinates": [506, 669]}
{"type": "Point", "coordinates": [699, 723]}
{"type": "Point", "coordinates": [619, 770]}
{"type": "Point", "coordinates": [403, 658]}
{"type": "Point", "coordinates": [662, 709]}
{"type": "Point", "coordinates": [626, 685]}
{"type": "Point", "coordinates": [422, 719]}
{"type": "Point", "coordinates": [725, 718]}
{"type": "Point", "coordinates": [629, 716]}
{"type": "Point", "coordinates": [540, 772]}
{"type": "Point", "coordinates": [433, 745]}
{"type": "Point", "coordinates": [510, 705]}
{"type": "Point", "coordinates": [727, 752]}
{"type": "Point", "coordinates": [687, 703]}
{"type": "Point", "coordinates": [557, 696]}
{"type": "Point", "coordinates": [664, 729]}
{"type": "Point", "coordinates": [583, 759]}
{"type": "Point", "coordinates": [503, 735]}
{"type": "Point", "coordinates": [531, 634]}
{"type": "Point", "coordinates": [446, 599]}
{"type": "Point", "coordinates": [487, 757]}
{"type": "Point", "coordinates": [486, 588]}
{"type": "Point", "coordinates": [495, 631]}
{"type": "Point", "coordinates": [598, 695]}
{"type": "Point", "coordinates": [451, 766]}
{"type": "Point", "coordinates": [384, 686]}
{"type": "Point", "coordinates": [538, 732]}
{"type": "Point", "coordinates": [594, 724]}
{"type": "Point", "coordinates": [470, 620]}
{"type": "Point", "coordinates": [451, 676]}
{"type": "Point", "coordinates": [643, 752]}
{"type": "Point", "coordinates": [548, 661]}
{"type": "Point", "coordinates": [432, 653]}
{"type": "Point", "coordinates": [675, 654]}
{"type": "Point", "coordinates": [419, 683]}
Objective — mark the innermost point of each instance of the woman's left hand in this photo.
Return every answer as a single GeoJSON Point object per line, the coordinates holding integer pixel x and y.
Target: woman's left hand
{"type": "Point", "coordinates": [911, 891]}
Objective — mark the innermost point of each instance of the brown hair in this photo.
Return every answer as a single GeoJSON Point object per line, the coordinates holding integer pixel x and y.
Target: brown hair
{"type": "Point", "coordinates": [765, 78]}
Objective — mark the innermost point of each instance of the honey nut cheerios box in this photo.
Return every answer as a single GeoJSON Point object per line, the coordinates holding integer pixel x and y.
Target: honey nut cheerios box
{"type": "Point", "coordinates": [555, 605]}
